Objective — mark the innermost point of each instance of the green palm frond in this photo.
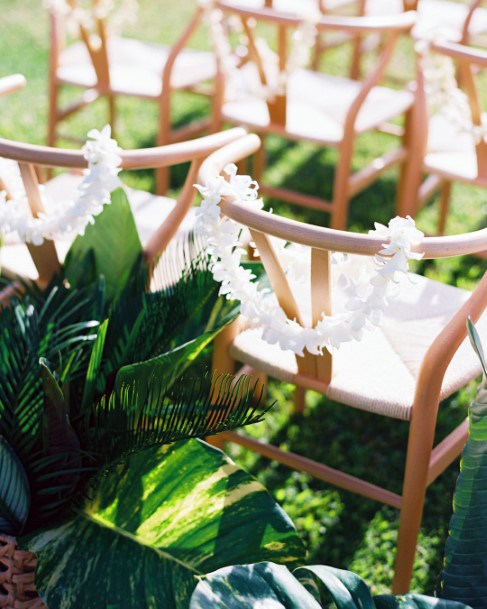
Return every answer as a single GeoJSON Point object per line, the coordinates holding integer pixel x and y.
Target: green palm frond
{"type": "Point", "coordinates": [145, 324]}
{"type": "Point", "coordinates": [29, 332]}
{"type": "Point", "coordinates": [141, 415]}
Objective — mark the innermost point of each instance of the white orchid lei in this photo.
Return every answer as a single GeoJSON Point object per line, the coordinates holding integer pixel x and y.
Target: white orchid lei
{"type": "Point", "coordinates": [120, 12]}
{"type": "Point", "coordinates": [444, 96]}
{"type": "Point", "coordinates": [369, 289]}
{"type": "Point", "coordinates": [303, 41]}
{"type": "Point", "coordinates": [103, 156]}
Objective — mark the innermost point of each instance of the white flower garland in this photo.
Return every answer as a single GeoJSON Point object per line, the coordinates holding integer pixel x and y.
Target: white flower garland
{"type": "Point", "coordinates": [103, 156]}
{"type": "Point", "coordinates": [303, 40]}
{"type": "Point", "coordinates": [369, 288]}
{"type": "Point", "coordinates": [444, 96]}
{"type": "Point", "coordinates": [120, 16]}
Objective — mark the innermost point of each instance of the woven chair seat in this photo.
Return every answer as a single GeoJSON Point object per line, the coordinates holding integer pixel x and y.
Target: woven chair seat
{"type": "Point", "coordinates": [317, 106]}
{"type": "Point", "coordinates": [135, 67]}
{"type": "Point", "coordinates": [451, 152]}
{"type": "Point", "coordinates": [149, 212]}
{"type": "Point", "coordinates": [388, 357]}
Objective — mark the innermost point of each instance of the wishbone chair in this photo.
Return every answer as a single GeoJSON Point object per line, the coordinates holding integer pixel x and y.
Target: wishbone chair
{"type": "Point", "coordinates": [316, 107]}
{"type": "Point", "coordinates": [109, 66]}
{"type": "Point", "coordinates": [157, 218]}
{"type": "Point", "coordinates": [402, 369]}
{"type": "Point", "coordinates": [445, 153]}
{"type": "Point", "coordinates": [463, 22]}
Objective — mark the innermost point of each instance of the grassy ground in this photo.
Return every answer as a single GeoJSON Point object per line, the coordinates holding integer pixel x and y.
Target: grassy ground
{"type": "Point", "coordinates": [339, 528]}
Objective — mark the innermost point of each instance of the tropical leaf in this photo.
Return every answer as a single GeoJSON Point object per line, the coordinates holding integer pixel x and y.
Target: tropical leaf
{"type": "Point", "coordinates": [464, 573]}
{"type": "Point", "coordinates": [168, 367]}
{"type": "Point", "coordinates": [58, 435]}
{"type": "Point", "coordinates": [153, 524]}
{"type": "Point", "coordinates": [43, 327]}
{"type": "Point", "coordinates": [146, 325]}
{"type": "Point", "coordinates": [14, 491]}
{"type": "Point", "coordinates": [56, 471]}
{"type": "Point", "coordinates": [115, 243]}
{"type": "Point", "coordinates": [146, 413]}
{"type": "Point", "coordinates": [26, 335]}
{"type": "Point", "coordinates": [415, 601]}
{"type": "Point", "coordinates": [270, 586]}
{"type": "Point", "coordinates": [93, 371]}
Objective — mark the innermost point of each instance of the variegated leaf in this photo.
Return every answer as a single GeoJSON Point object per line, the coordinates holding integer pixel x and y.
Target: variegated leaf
{"type": "Point", "coordinates": [155, 523]}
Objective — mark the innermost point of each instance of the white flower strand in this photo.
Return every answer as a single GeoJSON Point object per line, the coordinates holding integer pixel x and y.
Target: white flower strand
{"type": "Point", "coordinates": [120, 16]}
{"type": "Point", "coordinates": [444, 96]}
{"type": "Point", "coordinates": [368, 289]}
{"type": "Point", "coordinates": [303, 41]}
{"type": "Point", "coordinates": [103, 156]}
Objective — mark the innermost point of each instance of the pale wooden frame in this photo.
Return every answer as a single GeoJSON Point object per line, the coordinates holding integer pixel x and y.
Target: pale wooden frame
{"type": "Point", "coordinates": [424, 462]}
{"type": "Point", "coordinates": [346, 183]}
{"type": "Point", "coordinates": [100, 61]}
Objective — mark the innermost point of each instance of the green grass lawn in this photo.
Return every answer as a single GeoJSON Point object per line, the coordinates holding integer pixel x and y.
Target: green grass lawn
{"type": "Point", "coordinates": [339, 528]}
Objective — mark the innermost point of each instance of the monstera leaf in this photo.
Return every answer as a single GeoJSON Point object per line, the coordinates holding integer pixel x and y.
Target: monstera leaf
{"type": "Point", "coordinates": [154, 524]}
{"type": "Point", "coordinates": [464, 576]}
{"type": "Point", "coordinates": [270, 586]}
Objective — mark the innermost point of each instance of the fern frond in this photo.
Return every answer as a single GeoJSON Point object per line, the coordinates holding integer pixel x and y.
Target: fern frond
{"type": "Point", "coordinates": [191, 408]}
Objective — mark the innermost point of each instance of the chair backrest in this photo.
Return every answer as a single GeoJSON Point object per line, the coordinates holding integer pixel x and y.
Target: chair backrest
{"type": "Point", "coordinates": [322, 242]}
{"type": "Point", "coordinates": [31, 159]}
{"type": "Point", "coordinates": [412, 5]}
{"type": "Point", "coordinates": [469, 61]}
{"type": "Point", "coordinates": [95, 35]}
{"type": "Point", "coordinates": [389, 28]}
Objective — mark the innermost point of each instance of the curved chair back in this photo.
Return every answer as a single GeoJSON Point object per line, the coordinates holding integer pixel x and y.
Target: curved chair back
{"type": "Point", "coordinates": [323, 241]}
{"type": "Point", "coordinates": [31, 159]}
{"type": "Point", "coordinates": [389, 28]}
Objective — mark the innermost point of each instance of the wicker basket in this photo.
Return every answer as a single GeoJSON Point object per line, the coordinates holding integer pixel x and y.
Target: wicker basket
{"type": "Point", "coordinates": [17, 567]}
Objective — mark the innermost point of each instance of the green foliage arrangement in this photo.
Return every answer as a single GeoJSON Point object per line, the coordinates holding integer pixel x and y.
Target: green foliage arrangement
{"type": "Point", "coordinates": [270, 586]}
{"type": "Point", "coordinates": [94, 385]}
{"type": "Point", "coordinates": [464, 576]}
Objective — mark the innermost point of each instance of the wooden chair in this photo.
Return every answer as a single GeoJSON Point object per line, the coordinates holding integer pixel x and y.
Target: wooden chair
{"type": "Point", "coordinates": [445, 153]}
{"type": "Point", "coordinates": [109, 66]}
{"type": "Point", "coordinates": [319, 108]}
{"type": "Point", "coordinates": [157, 218]}
{"type": "Point", "coordinates": [402, 370]}
{"type": "Point", "coordinates": [456, 21]}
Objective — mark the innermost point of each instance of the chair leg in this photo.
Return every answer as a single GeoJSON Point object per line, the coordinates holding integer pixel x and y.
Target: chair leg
{"type": "Point", "coordinates": [420, 445]}
{"type": "Point", "coordinates": [341, 197]}
{"type": "Point", "coordinates": [444, 206]}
